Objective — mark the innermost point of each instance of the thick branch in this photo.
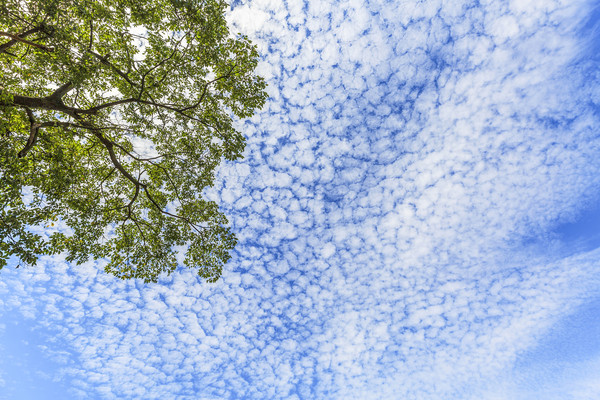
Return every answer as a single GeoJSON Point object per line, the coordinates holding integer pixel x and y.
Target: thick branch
{"type": "Point", "coordinates": [61, 91]}
{"type": "Point", "coordinates": [56, 104]}
{"type": "Point", "coordinates": [33, 132]}
{"type": "Point", "coordinates": [18, 38]}
{"type": "Point", "coordinates": [44, 103]}
{"type": "Point", "coordinates": [91, 35]}
{"type": "Point", "coordinates": [10, 43]}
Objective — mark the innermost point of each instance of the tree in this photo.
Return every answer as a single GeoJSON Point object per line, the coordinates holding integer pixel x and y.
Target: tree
{"type": "Point", "coordinates": [114, 115]}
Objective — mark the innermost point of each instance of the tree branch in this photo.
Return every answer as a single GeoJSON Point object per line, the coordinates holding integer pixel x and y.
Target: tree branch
{"type": "Point", "coordinates": [18, 38]}
{"type": "Point", "coordinates": [33, 132]}
{"type": "Point", "coordinates": [61, 91]}
{"type": "Point", "coordinates": [109, 144]}
{"type": "Point", "coordinates": [159, 208]}
{"type": "Point", "coordinates": [128, 206]}
{"type": "Point", "coordinates": [44, 103]}
{"type": "Point", "coordinates": [151, 162]}
{"type": "Point", "coordinates": [164, 60]}
{"type": "Point", "coordinates": [91, 35]}
{"type": "Point", "coordinates": [94, 110]}
{"type": "Point", "coordinates": [181, 111]}
{"type": "Point", "coordinates": [104, 60]}
{"type": "Point", "coordinates": [206, 87]}
{"type": "Point", "coordinates": [21, 36]}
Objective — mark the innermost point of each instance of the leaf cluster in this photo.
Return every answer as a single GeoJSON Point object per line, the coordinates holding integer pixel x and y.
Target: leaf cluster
{"type": "Point", "coordinates": [113, 118]}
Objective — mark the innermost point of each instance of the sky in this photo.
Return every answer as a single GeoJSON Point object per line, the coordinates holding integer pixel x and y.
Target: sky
{"type": "Point", "coordinates": [418, 214]}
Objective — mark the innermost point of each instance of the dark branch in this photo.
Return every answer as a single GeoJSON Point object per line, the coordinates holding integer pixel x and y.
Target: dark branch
{"type": "Point", "coordinates": [44, 103]}
{"type": "Point", "coordinates": [33, 132]}
{"type": "Point", "coordinates": [104, 60]}
{"type": "Point", "coordinates": [159, 208]}
{"type": "Point", "coordinates": [61, 91]}
{"type": "Point", "coordinates": [159, 64]}
{"type": "Point", "coordinates": [205, 89]}
{"type": "Point", "coordinates": [181, 111]}
{"type": "Point", "coordinates": [133, 199]}
{"type": "Point", "coordinates": [21, 36]}
{"type": "Point", "coordinates": [18, 38]}
{"type": "Point", "coordinates": [56, 124]}
{"type": "Point", "coordinates": [94, 110]}
{"type": "Point", "coordinates": [174, 109]}
{"type": "Point", "coordinates": [91, 35]}
{"type": "Point", "coordinates": [109, 144]}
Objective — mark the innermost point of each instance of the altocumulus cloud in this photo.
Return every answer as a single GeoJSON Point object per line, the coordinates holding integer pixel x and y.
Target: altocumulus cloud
{"type": "Point", "coordinates": [395, 210]}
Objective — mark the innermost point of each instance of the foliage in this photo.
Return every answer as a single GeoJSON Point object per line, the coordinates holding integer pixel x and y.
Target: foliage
{"type": "Point", "coordinates": [114, 115]}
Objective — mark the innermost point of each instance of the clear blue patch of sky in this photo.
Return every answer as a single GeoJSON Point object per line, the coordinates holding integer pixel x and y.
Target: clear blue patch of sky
{"type": "Point", "coordinates": [592, 30]}
{"type": "Point", "coordinates": [574, 338]}
{"type": "Point", "coordinates": [582, 233]}
{"type": "Point", "coordinates": [22, 361]}
{"type": "Point", "coordinates": [542, 371]}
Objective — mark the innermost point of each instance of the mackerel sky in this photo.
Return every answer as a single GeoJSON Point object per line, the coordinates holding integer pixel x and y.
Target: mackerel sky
{"type": "Point", "coordinates": [418, 214]}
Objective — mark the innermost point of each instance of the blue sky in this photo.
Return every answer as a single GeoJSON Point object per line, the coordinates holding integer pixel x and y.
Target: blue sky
{"type": "Point", "coordinates": [419, 218]}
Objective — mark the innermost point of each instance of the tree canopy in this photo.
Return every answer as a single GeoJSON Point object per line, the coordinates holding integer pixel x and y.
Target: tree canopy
{"type": "Point", "coordinates": [114, 115]}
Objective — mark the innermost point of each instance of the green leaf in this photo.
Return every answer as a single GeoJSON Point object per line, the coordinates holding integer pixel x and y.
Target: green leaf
{"type": "Point", "coordinates": [113, 118]}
